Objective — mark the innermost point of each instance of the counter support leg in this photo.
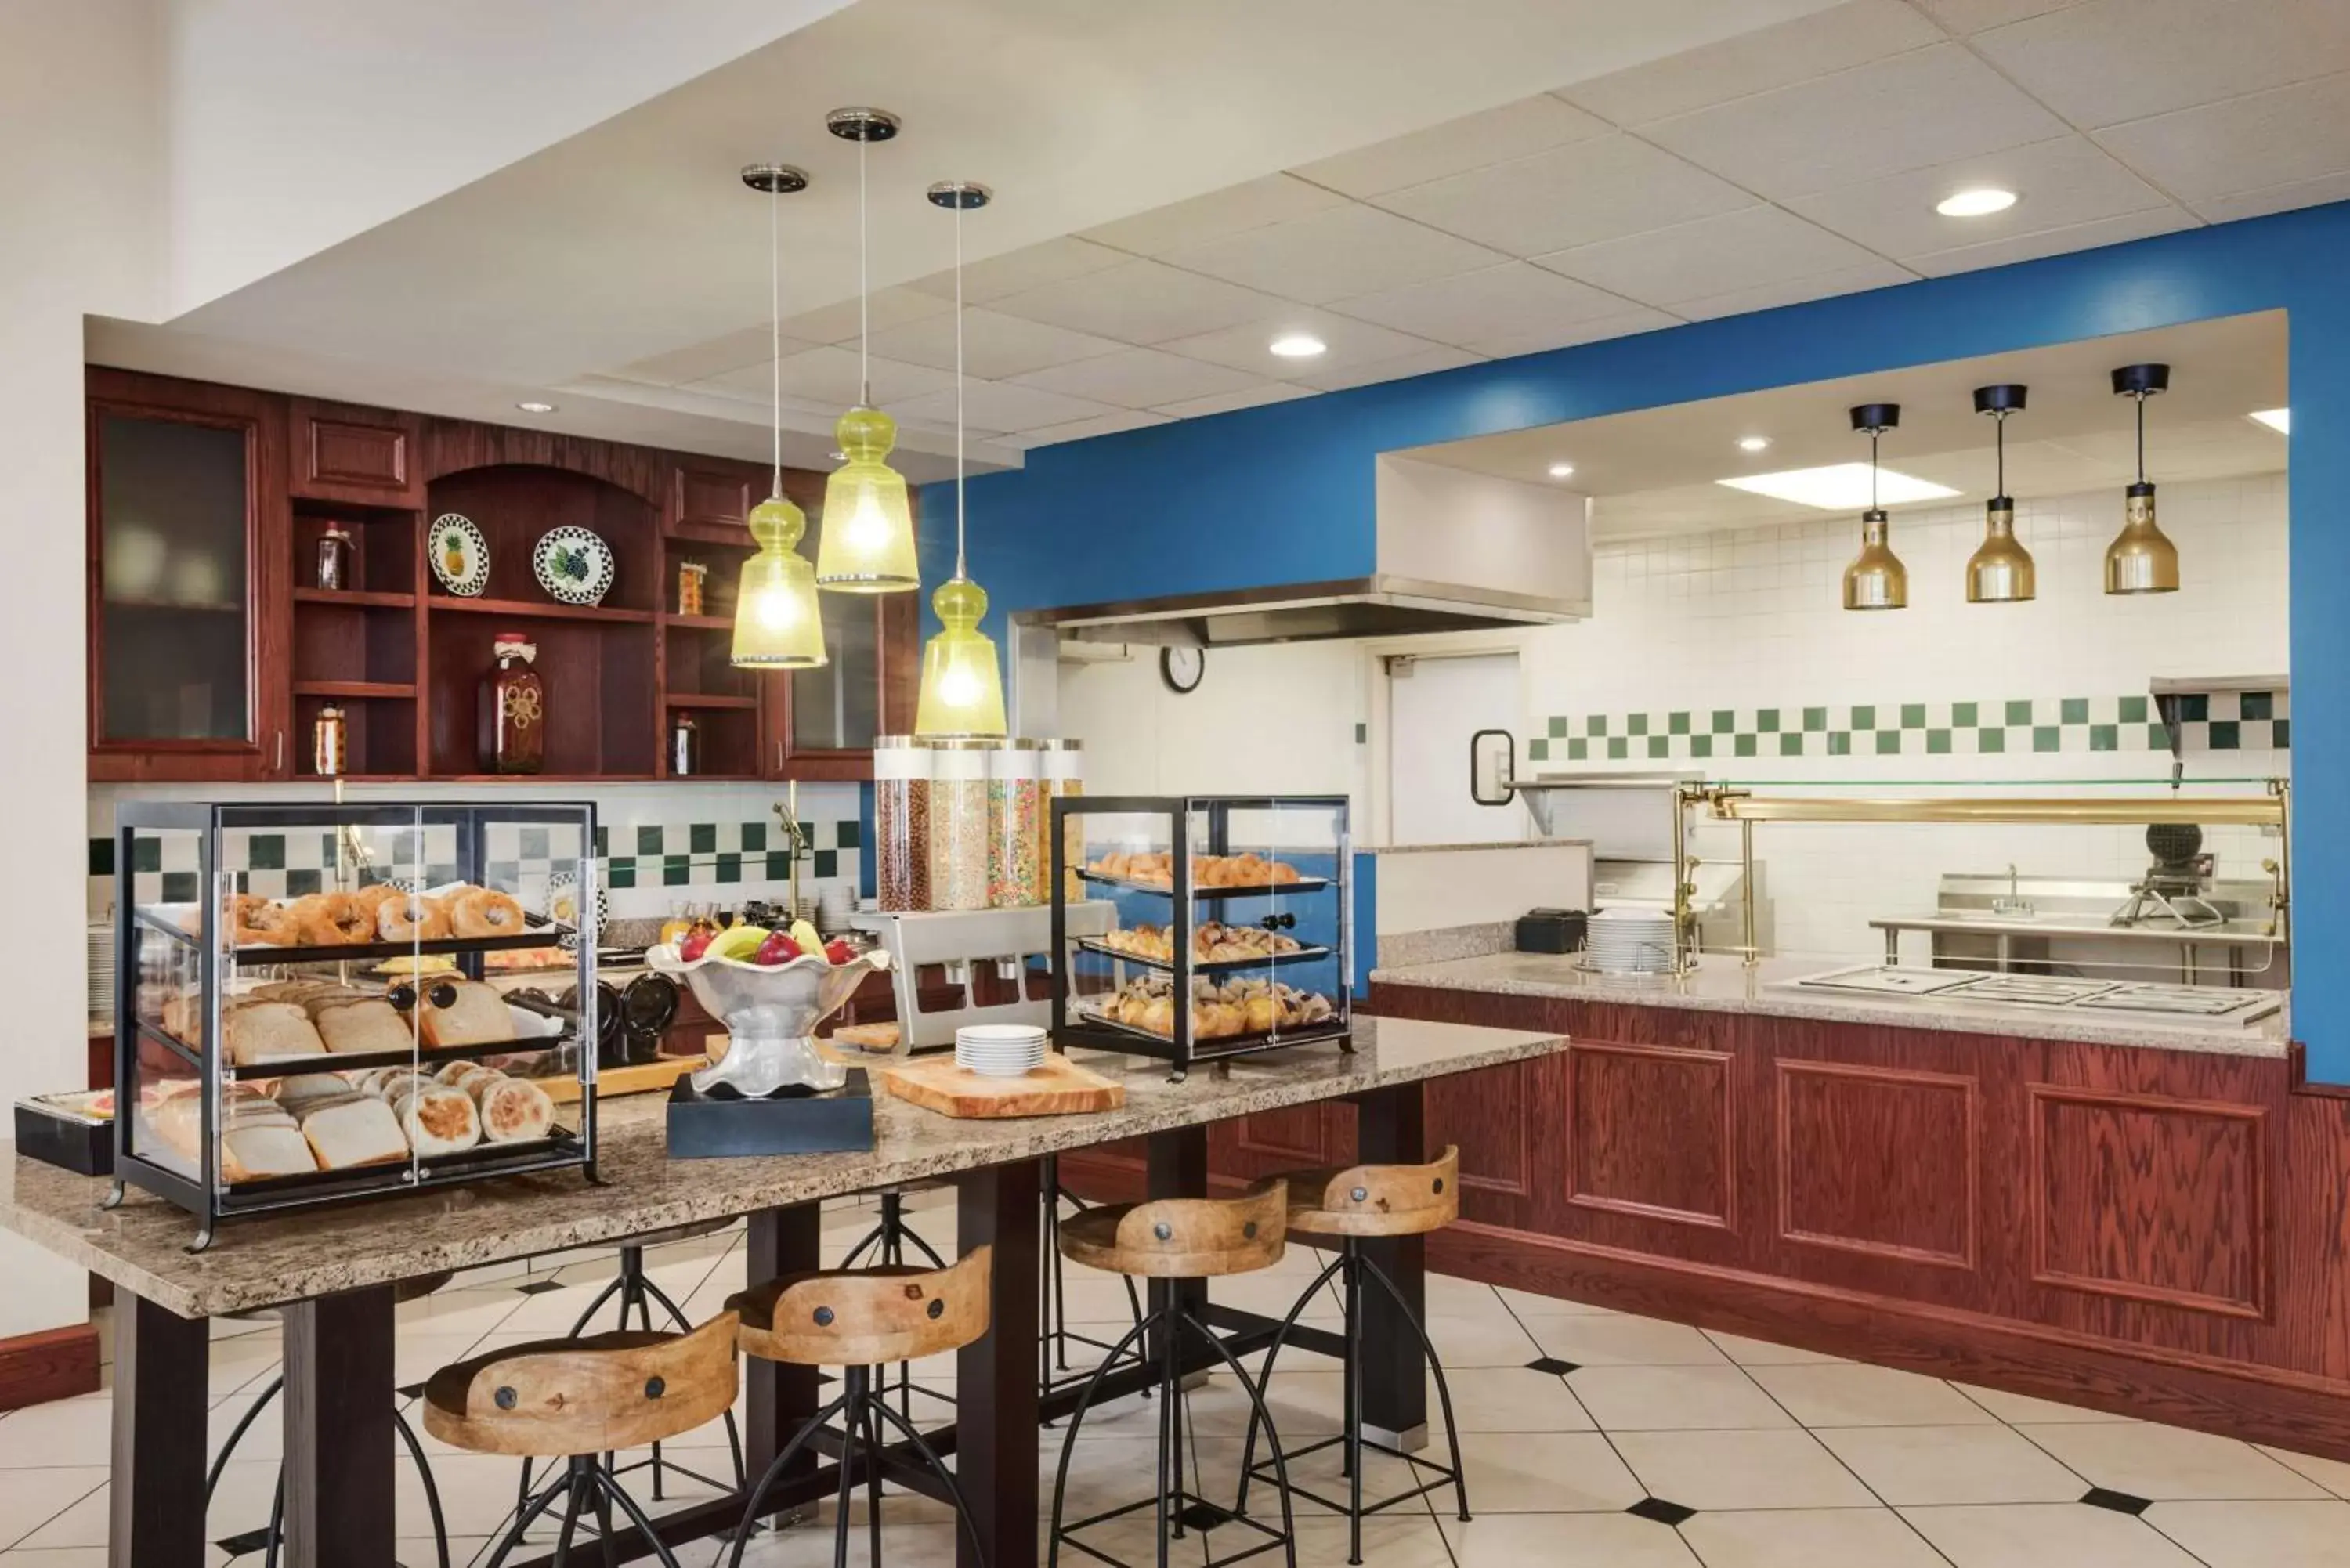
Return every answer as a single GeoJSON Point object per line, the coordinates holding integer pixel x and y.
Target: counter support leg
{"type": "Point", "coordinates": [995, 1374]}
{"type": "Point", "coordinates": [779, 1398]}
{"type": "Point", "coordinates": [338, 1431]}
{"type": "Point", "coordinates": [1390, 1130]}
{"type": "Point", "coordinates": [157, 1503]}
{"type": "Point", "coordinates": [1177, 1167]}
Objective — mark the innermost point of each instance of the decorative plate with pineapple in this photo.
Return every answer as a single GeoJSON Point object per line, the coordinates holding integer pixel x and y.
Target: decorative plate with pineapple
{"type": "Point", "coordinates": [461, 556]}
{"type": "Point", "coordinates": [574, 565]}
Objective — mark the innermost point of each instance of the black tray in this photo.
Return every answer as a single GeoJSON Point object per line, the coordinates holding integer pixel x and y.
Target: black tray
{"type": "Point", "coordinates": [1165, 890]}
{"type": "Point", "coordinates": [538, 932]}
{"type": "Point", "coordinates": [1207, 965]}
{"type": "Point", "coordinates": [708, 1126]}
{"type": "Point", "coordinates": [58, 1136]}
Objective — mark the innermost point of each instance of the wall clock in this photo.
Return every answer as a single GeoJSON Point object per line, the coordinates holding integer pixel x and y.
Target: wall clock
{"type": "Point", "coordinates": [1181, 668]}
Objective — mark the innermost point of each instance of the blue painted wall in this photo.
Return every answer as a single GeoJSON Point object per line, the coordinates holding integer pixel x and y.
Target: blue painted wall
{"type": "Point", "coordinates": [1284, 492]}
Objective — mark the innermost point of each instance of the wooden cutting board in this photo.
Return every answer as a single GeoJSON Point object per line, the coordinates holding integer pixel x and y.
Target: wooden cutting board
{"type": "Point", "coordinates": [1058, 1088]}
{"type": "Point", "coordinates": [643, 1078]}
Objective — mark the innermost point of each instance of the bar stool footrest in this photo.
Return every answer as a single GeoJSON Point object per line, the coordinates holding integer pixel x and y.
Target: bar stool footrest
{"type": "Point", "coordinates": [1439, 1475]}
{"type": "Point", "coordinates": [1193, 1512]}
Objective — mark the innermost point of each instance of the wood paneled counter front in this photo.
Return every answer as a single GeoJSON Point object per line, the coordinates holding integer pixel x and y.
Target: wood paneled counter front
{"type": "Point", "coordinates": [2147, 1217]}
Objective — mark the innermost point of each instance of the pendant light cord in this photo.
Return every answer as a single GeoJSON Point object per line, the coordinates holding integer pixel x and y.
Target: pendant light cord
{"type": "Point", "coordinates": [1872, 467]}
{"type": "Point", "coordinates": [864, 287]}
{"type": "Point", "coordinates": [2140, 400]}
{"type": "Point", "coordinates": [959, 476]}
{"type": "Point", "coordinates": [1999, 421]}
{"type": "Point", "coordinates": [776, 319]}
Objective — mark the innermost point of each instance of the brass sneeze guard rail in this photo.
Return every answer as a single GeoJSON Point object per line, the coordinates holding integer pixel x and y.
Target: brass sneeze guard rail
{"type": "Point", "coordinates": [1725, 803]}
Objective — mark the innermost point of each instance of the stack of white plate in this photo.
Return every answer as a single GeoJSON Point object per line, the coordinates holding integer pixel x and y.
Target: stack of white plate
{"type": "Point", "coordinates": [101, 972]}
{"type": "Point", "coordinates": [1630, 941]}
{"type": "Point", "coordinates": [999, 1050]}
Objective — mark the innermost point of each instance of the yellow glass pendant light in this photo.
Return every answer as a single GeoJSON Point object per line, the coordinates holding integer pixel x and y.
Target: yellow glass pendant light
{"type": "Point", "coordinates": [962, 684]}
{"type": "Point", "coordinates": [869, 523]}
{"type": "Point", "coordinates": [777, 623]}
{"type": "Point", "coordinates": [2001, 571]}
{"type": "Point", "coordinates": [2141, 559]}
{"type": "Point", "coordinates": [1877, 580]}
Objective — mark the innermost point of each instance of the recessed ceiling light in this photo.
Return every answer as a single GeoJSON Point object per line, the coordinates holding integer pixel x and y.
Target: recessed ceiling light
{"type": "Point", "coordinates": [1754, 443]}
{"type": "Point", "coordinates": [1839, 486]}
{"type": "Point", "coordinates": [1977, 201]}
{"type": "Point", "coordinates": [535, 408]}
{"type": "Point", "coordinates": [1297, 346]}
{"type": "Point", "coordinates": [2277, 419]}
{"type": "Point", "coordinates": [1560, 469]}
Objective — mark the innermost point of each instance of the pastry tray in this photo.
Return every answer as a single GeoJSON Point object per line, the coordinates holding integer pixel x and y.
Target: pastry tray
{"type": "Point", "coordinates": [485, 1158]}
{"type": "Point", "coordinates": [1218, 1044]}
{"type": "Point", "coordinates": [419, 1056]}
{"type": "Point", "coordinates": [1166, 890]}
{"type": "Point", "coordinates": [538, 932]}
{"type": "Point", "coordinates": [1207, 966]}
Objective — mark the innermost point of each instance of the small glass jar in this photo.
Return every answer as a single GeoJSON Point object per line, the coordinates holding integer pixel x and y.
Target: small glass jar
{"type": "Point", "coordinates": [329, 743]}
{"type": "Point", "coordinates": [690, 576]}
{"type": "Point", "coordinates": [684, 746]}
{"type": "Point", "coordinates": [901, 820]}
{"type": "Point", "coordinates": [1065, 779]}
{"type": "Point", "coordinates": [1015, 832]}
{"type": "Point", "coordinates": [959, 823]}
{"type": "Point", "coordinates": [334, 558]}
{"type": "Point", "coordinates": [512, 723]}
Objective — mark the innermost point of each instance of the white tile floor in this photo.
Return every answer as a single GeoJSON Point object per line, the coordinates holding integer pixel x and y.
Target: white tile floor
{"type": "Point", "coordinates": [1593, 1440]}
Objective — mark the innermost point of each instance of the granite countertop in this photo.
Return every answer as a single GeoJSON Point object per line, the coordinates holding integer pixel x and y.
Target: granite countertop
{"type": "Point", "coordinates": [1722, 984]}
{"type": "Point", "coordinates": [257, 1262]}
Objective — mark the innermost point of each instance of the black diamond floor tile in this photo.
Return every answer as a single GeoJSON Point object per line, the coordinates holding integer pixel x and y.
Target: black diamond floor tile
{"type": "Point", "coordinates": [411, 1391]}
{"type": "Point", "coordinates": [250, 1540]}
{"type": "Point", "coordinates": [1204, 1516]}
{"type": "Point", "coordinates": [1659, 1509]}
{"type": "Point", "coordinates": [1552, 1365]}
{"type": "Point", "coordinates": [538, 1287]}
{"type": "Point", "coordinates": [2119, 1501]}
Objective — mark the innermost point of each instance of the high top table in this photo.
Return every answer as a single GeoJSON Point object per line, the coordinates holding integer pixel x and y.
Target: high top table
{"type": "Point", "coordinates": [333, 1271]}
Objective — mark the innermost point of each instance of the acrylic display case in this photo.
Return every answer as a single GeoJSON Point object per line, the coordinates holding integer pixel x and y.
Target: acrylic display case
{"type": "Point", "coordinates": [1233, 930]}
{"type": "Point", "coordinates": [305, 1006]}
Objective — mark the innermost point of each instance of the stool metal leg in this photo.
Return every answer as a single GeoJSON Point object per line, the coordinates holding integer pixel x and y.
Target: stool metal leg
{"type": "Point", "coordinates": [1077, 1420]}
{"type": "Point", "coordinates": [432, 1490]}
{"type": "Point", "coordinates": [528, 1515]}
{"type": "Point", "coordinates": [800, 1440]}
{"type": "Point", "coordinates": [1264, 1372]}
{"type": "Point", "coordinates": [1443, 1389]}
{"type": "Point", "coordinates": [855, 1379]}
{"type": "Point", "coordinates": [930, 1457]}
{"type": "Point", "coordinates": [637, 1517]}
{"type": "Point", "coordinates": [1353, 1274]}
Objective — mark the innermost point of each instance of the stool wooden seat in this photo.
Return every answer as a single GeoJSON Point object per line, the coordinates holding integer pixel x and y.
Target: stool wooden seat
{"type": "Point", "coordinates": [862, 1321]}
{"type": "Point", "coordinates": [865, 1317]}
{"type": "Point", "coordinates": [1375, 1200]}
{"type": "Point", "coordinates": [1349, 1206]}
{"type": "Point", "coordinates": [1180, 1237]}
{"type": "Point", "coordinates": [554, 1399]}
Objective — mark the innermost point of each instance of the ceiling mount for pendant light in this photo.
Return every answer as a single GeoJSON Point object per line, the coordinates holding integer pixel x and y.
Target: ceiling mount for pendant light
{"type": "Point", "coordinates": [1877, 580]}
{"type": "Point", "coordinates": [2000, 572]}
{"type": "Point", "coordinates": [2141, 559]}
{"type": "Point", "coordinates": [777, 623]}
{"type": "Point", "coordinates": [869, 523]}
{"type": "Point", "coordinates": [962, 684]}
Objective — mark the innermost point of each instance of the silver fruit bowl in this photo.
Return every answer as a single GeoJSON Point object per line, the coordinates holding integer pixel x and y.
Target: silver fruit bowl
{"type": "Point", "coordinates": [771, 1012]}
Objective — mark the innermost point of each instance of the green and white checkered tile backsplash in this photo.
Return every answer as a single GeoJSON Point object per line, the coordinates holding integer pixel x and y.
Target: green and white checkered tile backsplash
{"type": "Point", "coordinates": [2217, 722]}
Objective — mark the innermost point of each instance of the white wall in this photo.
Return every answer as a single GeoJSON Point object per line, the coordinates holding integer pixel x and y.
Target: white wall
{"type": "Point", "coordinates": [79, 188]}
{"type": "Point", "coordinates": [1447, 525]}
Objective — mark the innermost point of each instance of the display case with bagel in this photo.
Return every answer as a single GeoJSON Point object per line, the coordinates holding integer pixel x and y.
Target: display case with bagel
{"type": "Point", "coordinates": [1232, 929]}
{"type": "Point", "coordinates": [303, 1013]}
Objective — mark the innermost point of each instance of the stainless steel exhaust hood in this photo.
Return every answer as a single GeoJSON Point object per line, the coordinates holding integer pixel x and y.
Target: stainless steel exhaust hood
{"type": "Point", "coordinates": [1456, 551]}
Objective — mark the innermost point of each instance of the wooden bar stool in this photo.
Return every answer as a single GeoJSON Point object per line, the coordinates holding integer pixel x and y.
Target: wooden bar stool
{"type": "Point", "coordinates": [581, 1399]}
{"type": "Point", "coordinates": [1165, 1240]}
{"type": "Point", "coordinates": [1346, 1206]}
{"type": "Point", "coordinates": [271, 1539]}
{"type": "Point", "coordinates": [886, 1246]}
{"type": "Point", "coordinates": [862, 1319]}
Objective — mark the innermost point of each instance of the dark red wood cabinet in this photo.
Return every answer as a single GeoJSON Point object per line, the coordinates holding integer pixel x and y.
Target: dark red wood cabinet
{"type": "Point", "coordinates": [207, 509]}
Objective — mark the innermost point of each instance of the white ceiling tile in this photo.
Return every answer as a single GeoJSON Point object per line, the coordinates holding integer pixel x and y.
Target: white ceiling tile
{"type": "Point", "coordinates": [998, 406]}
{"type": "Point", "coordinates": [828, 378]}
{"type": "Point", "coordinates": [839, 322]}
{"type": "Point", "coordinates": [2054, 242]}
{"type": "Point", "coordinates": [1795, 291]}
{"type": "Point", "coordinates": [1347, 342]}
{"type": "Point", "coordinates": [1248, 397]}
{"type": "Point", "coordinates": [1100, 424]}
{"type": "Point", "coordinates": [2250, 143]}
{"type": "Point", "coordinates": [1913, 110]}
{"type": "Point", "coordinates": [2058, 183]}
{"type": "Point", "coordinates": [1712, 255]}
{"type": "Point", "coordinates": [1426, 361]}
{"type": "Point", "coordinates": [1138, 378]}
{"type": "Point", "coordinates": [1139, 302]}
{"type": "Point", "coordinates": [995, 345]}
{"type": "Point", "coordinates": [1963, 16]}
{"type": "Point", "coordinates": [1335, 254]}
{"type": "Point", "coordinates": [752, 346]}
{"type": "Point", "coordinates": [2275, 198]}
{"type": "Point", "coordinates": [1572, 195]}
{"type": "Point", "coordinates": [1513, 130]}
{"type": "Point", "coordinates": [1566, 335]}
{"type": "Point", "coordinates": [1774, 57]}
{"type": "Point", "coordinates": [2114, 60]}
{"type": "Point", "coordinates": [1491, 301]}
{"type": "Point", "coordinates": [1031, 266]}
{"type": "Point", "coordinates": [1236, 209]}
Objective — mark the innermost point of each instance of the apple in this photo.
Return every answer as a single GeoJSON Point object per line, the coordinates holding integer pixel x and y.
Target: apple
{"type": "Point", "coordinates": [837, 951]}
{"type": "Point", "coordinates": [777, 949]}
{"type": "Point", "coordinates": [695, 944]}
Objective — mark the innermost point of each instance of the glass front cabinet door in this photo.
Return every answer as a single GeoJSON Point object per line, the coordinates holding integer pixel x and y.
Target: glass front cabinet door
{"type": "Point", "coordinates": [185, 489]}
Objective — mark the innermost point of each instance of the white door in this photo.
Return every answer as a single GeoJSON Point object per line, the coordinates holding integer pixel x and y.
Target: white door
{"type": "Point", "coordinates": [1434, 705]}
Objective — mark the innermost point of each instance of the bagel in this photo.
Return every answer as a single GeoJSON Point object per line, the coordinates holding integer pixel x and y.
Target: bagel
{"type": "Point", "coordinates": [411, 917]}
{"type": "Point", "coordinates": [486, 912]}
{"type": "Point", "coordinates": [333, 919]}
{"type": "Point", "coordinates": [261, 923]}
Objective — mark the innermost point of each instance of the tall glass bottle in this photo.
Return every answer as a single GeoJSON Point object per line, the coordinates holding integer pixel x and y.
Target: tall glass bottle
{"type": "Point", "coordinates": [512, 722]}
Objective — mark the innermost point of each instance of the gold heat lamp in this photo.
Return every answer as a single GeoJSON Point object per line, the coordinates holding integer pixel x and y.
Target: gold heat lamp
{"type": "Point", "coordinates": [2000, 572]}
{"type": "Point", "coordinates": [2141, 559]}
{"type": "Point", "coordinates": [1877, 580]}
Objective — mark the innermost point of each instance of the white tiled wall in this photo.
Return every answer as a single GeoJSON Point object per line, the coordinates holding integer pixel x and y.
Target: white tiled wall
{"type": "Point", "coordinates": [1751, 619]}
